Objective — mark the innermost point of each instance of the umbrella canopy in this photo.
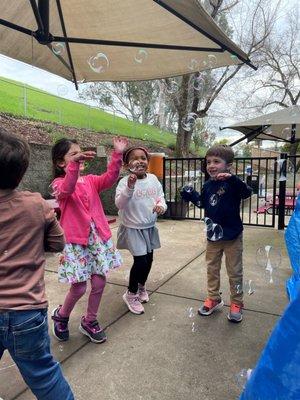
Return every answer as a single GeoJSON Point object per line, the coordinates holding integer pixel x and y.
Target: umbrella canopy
{"type": "Point", "coordinates": [282, 125]}
{"type": "Point", "coordinates": [109, 40]}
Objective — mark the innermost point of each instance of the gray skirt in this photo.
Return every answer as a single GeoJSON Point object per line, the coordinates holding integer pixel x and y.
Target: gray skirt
{"type": "Point", "coordinates": [138, 241]}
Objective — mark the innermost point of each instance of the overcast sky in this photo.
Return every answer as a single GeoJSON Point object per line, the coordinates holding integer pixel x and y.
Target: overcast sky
{"type": "Point", "coordinates": [54, 84]}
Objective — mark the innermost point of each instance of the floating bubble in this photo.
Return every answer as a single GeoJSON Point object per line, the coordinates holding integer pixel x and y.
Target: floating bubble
{"type": "Point", "coordinates": [188, 122]}
{"type": "Point", "coordinates": [195, 328]}
{"type": "Point", "coordinates": [4, 365]}
{"type": "Point", "coordinates": [98, 63]}
{"type": "Point", "coordinates": [268, 131]}
{"type": "Point", "coordinates": [286, 133]}
{"type": "Point", "coordinates": [61, 347]}
{"type": "Point", "coordinates": [282, 170]}
{"type": "Point", "coordinates": [242, 377]}
{"type": "Point", "coordinates": [269, 258]}
{"type": "Point", "coordinates": [190, 312]}
{"type": "Point", "coordinates": [172, 87]}
{"type": "Point", "coordinates": [193, 65]}
{"type": "Point", "coordinates": [199, 83]}
{"type": "Point", "coordinates": [250, 289]}
{"type": "Point", "coordinates": [233, 57]}
{"type": "Point", "coordinates": [208, 224]}
{"type": "Point", "coordinates": [212, 60]}
{"type": "Point", "coordinates": [62, 90]}
{"type": "Point", "coordinates": [134, 166]}
{"type": "Point", "coordinates": [153, 318]}
{"type": "Point", "coordinates": [239, 289]}
{"type": "Point", "coordinates": [141, 56]}
{"type": "Point", "coordinates": [215, 233]}
{"type": "Point", "coordinates": [58, 48]}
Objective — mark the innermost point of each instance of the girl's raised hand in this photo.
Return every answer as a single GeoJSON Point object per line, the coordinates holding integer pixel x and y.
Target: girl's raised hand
{"type": "Point", "coordinates": [120, 144]}
{"type": "Point", "coordinates": [83, 156]}
{"type": "Point", "coordinates": [131, 181]}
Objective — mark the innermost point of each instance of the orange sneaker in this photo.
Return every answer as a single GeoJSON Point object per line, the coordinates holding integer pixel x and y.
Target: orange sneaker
{"type": "Point", "coordinates": [236, 312]}
{"type": "Point", "coordinates": [209, 306]}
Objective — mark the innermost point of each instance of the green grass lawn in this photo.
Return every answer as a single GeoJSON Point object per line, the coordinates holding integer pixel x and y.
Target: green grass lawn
{"type": "Point", "coordinates": [46, 107]}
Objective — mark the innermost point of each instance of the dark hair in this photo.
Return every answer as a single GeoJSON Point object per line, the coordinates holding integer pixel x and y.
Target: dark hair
{"type": "Point", "coordinates": [223, 151]}
{"type": "Point", "coordinates": [59, 150]}
{"type": "Point", "coordinates": [130, 149]}
{"type": "Point", "coordinates": [14, 159]}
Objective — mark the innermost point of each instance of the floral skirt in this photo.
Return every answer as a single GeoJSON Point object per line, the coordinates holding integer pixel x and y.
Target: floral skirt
{"type": "Point", "coordinates": [79, 262]}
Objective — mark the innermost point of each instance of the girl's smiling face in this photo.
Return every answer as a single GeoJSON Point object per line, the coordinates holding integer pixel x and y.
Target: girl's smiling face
{"type": "Point", "coordinates": [137, 163]}
{"type": "Point", "coordinates": [74, 149]}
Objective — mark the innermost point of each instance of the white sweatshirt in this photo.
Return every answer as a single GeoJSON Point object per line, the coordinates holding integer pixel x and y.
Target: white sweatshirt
{"type": "Point", "coordinates": [136, 205]}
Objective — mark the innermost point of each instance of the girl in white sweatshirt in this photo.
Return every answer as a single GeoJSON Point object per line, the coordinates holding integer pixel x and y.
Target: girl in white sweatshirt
{"type": "Point", "coordinates": [140, 199]}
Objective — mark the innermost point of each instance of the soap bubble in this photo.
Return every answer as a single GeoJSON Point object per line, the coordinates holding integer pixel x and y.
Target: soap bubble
{"type": "Point", "coordinates": [98, 63]}
{"type": "Point", "coordinates": [134, 166]}
{"type": "Point", "coordinates": [233, 57]}
{"type": "Point", "coordinates": [62, 90]}
{"type": "Point", "coordinates": [172, 87]}
{"type": "Point", "coordinates": [242, 377]}
{"type": "Point", "coordinates": [188, 122]}
{"type": "Point", "coordinates": [141, 56]}
{"type": "Point", "coordinates": [199, 83]}
{"type": "Point", "coordinates": [6, 364]}
{"type": "Point", "coordinates": [193, 65]}
{"type": "Point", "coordinates": [269, 258]}
{"type": "Point", "coordinates": [215, 233]}
{"type": "Point", "coordinates": [195, 328]}
{"type": "Point", "coordinates": [212, 60]}
{"type": "Point", "coordinates": [58, 48]}
{"type": "Point", "coordinates": [190, 312]}
{"type": "Point", "coordinates": [287, 133]}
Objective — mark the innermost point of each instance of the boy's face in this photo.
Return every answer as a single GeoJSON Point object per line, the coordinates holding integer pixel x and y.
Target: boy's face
{"type": "Point", "coordinates": [216, 165]}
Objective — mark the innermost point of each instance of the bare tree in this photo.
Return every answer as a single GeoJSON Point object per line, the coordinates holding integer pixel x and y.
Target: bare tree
{"type": "Point", "coordinates": [254, 31]}
{"type": "Point", "coordinates": [136, 101]}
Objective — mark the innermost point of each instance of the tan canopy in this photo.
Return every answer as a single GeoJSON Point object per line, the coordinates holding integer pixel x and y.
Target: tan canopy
{"type": "Point", "coordinates": [282, 125]}
{"type": "Point", "coordinates": [110, 40]}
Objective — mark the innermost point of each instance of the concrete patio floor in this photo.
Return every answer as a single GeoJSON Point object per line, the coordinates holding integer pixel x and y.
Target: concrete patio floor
{"type": "Point", "coordinates": [169, 352]}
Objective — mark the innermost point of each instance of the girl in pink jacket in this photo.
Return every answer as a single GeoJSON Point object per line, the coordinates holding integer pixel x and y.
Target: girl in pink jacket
{"type": "Point", "coordinates": [89, 252]}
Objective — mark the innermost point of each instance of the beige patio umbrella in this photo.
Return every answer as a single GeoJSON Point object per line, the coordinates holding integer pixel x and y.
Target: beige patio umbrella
{"type": "Point", "coordinates": [282, 125]}
{"type": "Point", "coordinates": [111, 40]}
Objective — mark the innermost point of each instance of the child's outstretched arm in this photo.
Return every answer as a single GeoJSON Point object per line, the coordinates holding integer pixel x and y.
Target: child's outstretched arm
{"type": "Point", "coordinates": [190, 194]}
{"type": "Point", "coordinates": [65, 186]}
{"type": "Point", "coordinates": [111, 175]}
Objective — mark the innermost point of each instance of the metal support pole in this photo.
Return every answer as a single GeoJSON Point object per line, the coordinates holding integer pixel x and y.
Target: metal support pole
{"type": "Point", "coordinates": [282, 192]}
{"type": "Point", "coordinates": [44, 14]}
{"type": "Point", "coordinates": [293, 133]}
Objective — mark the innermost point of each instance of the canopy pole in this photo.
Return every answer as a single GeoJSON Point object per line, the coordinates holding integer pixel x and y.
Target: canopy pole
{"type": "Point", "coordinates": [44, 14]}
{"type": "Point", "coordinates": [293, 135]}
{"type": "Point", "coordinates": [63, 26]}
{"type": "Point", "coordinates": [254, 132]}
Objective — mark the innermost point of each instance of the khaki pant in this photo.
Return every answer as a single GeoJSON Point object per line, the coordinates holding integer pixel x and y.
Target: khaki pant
{"type": "Point", "coordinates": [233, 250]}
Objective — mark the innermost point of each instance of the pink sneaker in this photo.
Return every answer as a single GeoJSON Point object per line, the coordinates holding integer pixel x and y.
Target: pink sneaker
{"type": "Point", "coordinates": [143, 295]}
{"type": "Point", "coordinates": [133, 303]}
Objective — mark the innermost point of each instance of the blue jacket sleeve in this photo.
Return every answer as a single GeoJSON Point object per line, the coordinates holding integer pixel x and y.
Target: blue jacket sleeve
{"type": "Point", "coordinates": [190, 194]}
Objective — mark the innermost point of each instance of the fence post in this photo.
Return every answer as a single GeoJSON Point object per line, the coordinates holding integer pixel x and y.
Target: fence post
{"type": "Point", "coordinates": [25, 100]}
{"type": "Point", "coordinates": [282, 192]}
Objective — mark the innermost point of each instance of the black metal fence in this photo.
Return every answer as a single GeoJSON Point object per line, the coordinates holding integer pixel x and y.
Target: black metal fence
{"type": "Point", "coordinates": [273, 181]}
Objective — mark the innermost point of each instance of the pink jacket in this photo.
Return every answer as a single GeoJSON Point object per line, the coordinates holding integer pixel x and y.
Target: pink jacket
{"type": "Point", "coordinates": [79, 200]}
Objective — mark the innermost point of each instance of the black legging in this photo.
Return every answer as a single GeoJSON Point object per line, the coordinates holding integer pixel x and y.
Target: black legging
{"type": "Point", "coordinates": [140, 271]}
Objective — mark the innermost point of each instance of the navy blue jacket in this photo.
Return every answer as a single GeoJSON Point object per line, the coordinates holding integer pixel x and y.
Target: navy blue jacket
{"type": "Point", "coordinates": [221, 201]}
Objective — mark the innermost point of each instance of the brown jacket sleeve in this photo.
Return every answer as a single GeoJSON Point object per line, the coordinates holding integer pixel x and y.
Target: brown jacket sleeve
{"type": "Point", "coordinates": [54, 239]}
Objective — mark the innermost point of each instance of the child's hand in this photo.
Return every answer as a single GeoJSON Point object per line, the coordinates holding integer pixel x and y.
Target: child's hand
{"type": "Point", "coordinates": [222, 176]}
{"type": "Point", "coordinates": [83, 156]}
{"type": "Point", "coordinates": [159, 209]}
{"type": "Point", "coordinates": [120, 144]}
{"type": "Point", "coordinates": [131, 181]}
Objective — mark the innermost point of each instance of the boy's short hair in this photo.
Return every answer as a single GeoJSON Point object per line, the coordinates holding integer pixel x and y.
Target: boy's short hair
{"type": "Point", "coordinates": [14, 159]}
{"type": "Point", "coordinates": [223, 151]}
